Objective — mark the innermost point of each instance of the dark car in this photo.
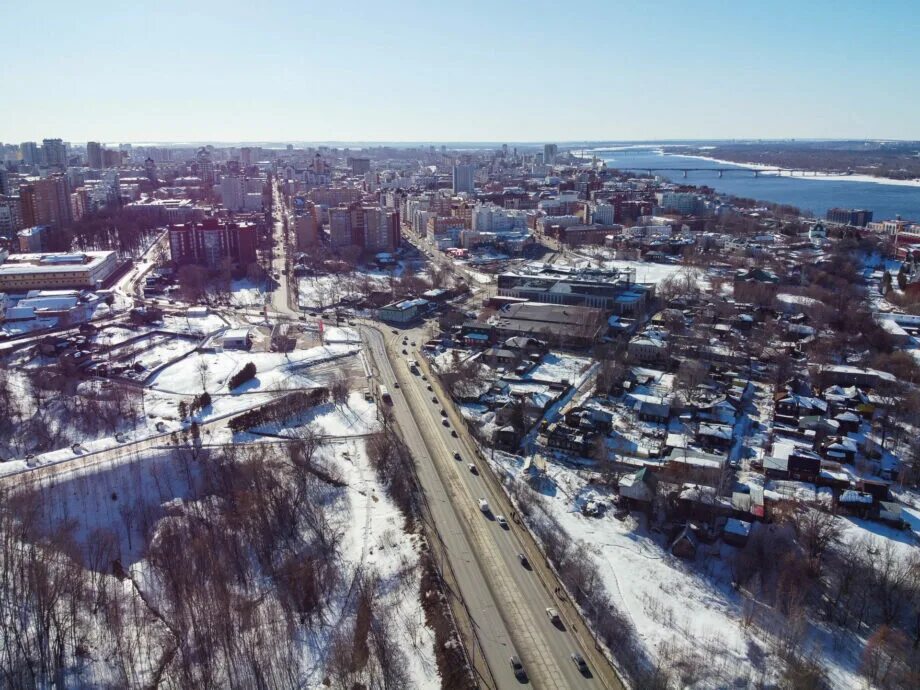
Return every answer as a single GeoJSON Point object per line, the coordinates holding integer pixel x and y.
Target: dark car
{"type": "Point", "coordinates": [453, 432]}
{"type": "Point", "coordinates": [443, 412]}
{"type": "Point", "coordinates": [517, 666]}
{"type": "Point", "coordinates": [524, 562]}
{"type": "Point", "coordinates": [405, 353]}
{"type": "Point", "coordinates": [445, 422]}
{"type": "Point", "coordinates": [456, 456]}
{"type": "Point", "coordinates": [579, 662]}
{"type": "Point", "coordinates": [434, 398]}
{"type": "Point", "coordinates": [396, 384]}
{"type": "Point", "coordinates": [429, 387]}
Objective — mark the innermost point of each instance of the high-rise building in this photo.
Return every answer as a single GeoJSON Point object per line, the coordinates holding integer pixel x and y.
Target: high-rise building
{"type": "Point", "coordinates": [150, 168]}
{"type": "Point", "coordinates": [205, 166]}
{"type": "Point", "coordinates": [46, 202]}
{"type": "Point", "coordinates": [359, 166]}
{"type": "Point", "coordinates": [231, 192]}
{"type": "Point", "coordinates": [31, 154]}
{"type": "Point", "coordinates": [463, 178]}
{"type": "Point", "coordinates": [859, 218]}
{"type": "Point", "coordinates": [550, 151]}
{"type": "Point", "coordinates": [4, 181]}
{"type": "Point", "coordinates": [10, 216]}
{"type": "Point", "coordinates": [381, 229]}
{"type": "Point", "coordinates": [306, 224]}
{"type": "Point", "coordinates": [94, 154]}
{"type": "Point", "coordinates": [54, 152]}
{"type": "Point", "coordinates": [210, 242]}
{"type": "Point", "coordinates": [111, 158]}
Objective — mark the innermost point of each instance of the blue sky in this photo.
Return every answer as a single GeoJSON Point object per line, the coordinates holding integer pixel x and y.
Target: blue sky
{"type": "Point", "coordinates": [463, 71]}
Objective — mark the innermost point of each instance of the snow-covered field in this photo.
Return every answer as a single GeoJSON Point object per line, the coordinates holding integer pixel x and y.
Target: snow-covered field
{"type": "Point", "coordinates": [193, 325]}
{"type": "Point", "coordinates": [120, 506]}
{"type": "Point", "coordinates": [356, 418]}
{"type": "Point", "coordinates": [211, 370]}
{"type": "Point", "coordinates": [246, 293]}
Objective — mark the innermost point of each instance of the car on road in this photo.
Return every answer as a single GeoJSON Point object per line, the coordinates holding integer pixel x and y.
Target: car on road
{"type": "Point", "coordinates": [443, 412]}
{"type": "Point", "coordinates": [393, 330]}
{"type": "Point", "coordinates": [413, 343]}
{"type": "Point", "coordinates": [473, 469]}
{"type": "Point", "coordinates": [444, 422]}
{"type": "Point", "coordinates": [579, 662]}
{"type": "Point", "coordinates": [396, 384]}
{"type": "Point", "coordinates": [553, 615]}
{"type": "Point", "coordinates": [517, 667]}
{"type": "Point", "coordinates": [405, 353]}
{"type": "Point", "coordinates": [424, 378]}
{"type": "Point", "coordinates": [524, 562]}
{"type": "Point", "coordinates": [456, 456]}
{"type": "Point", "coordinates": [434, 398]}
{"type": "Point", "coordinates": [429, 387]}
{"type": "Point", "coordinates": [483, 505]}
{"type": "Point", "coordinates": [453, 432]}
{"type": "Point", "coordinates": [500, 519]}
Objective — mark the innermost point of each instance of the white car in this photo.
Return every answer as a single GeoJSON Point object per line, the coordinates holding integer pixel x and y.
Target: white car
{"type": "Point", "coordinates": [483, 505]}
{"type": "Point", "coordinates": [500, 519]}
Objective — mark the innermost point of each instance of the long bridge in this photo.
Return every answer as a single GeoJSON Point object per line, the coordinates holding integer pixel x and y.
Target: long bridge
{"type": "Point", "coordinates": [756, 171]}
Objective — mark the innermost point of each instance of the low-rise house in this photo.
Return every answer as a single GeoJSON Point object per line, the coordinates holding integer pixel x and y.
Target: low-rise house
{"type": "Point", "coordinates": [639, 488]}
{"type": "Point", "coordinates": [403, 312]}
{"type": "Point", "coordinates": [793, 405]}
{"type": "Point", "coordinates": [839, 449]}
{"type": "Point", "coordinates": [714, 435]}
{"type": "Point", "coordinates": [649, 408]}
{"type": "Point", "coordinates": [564, 437]}
{"type": "Point", "coordinates": [589, 418]}
{"type": "Point", "coordinates": [647, 349]}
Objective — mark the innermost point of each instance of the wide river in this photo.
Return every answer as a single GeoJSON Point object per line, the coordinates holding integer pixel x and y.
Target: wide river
{"type": "Point", "coordinates": [812, 195]}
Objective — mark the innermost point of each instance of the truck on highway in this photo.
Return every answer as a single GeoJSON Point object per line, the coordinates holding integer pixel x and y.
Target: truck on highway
{"type": "Point", "coordinates": [483, 505]}
{"type": "Point", "coordinates": [385, 395]}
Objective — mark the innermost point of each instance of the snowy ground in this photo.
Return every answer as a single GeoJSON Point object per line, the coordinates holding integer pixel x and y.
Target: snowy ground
{"type": "Point", "coordinates": [246, 293]}
{"type": "Point", "coordinates": [358, 417]}
{"type": "Point", "coordinates": [211, 370]}
{"type": "Point", "coordinates": [193, 325]}
{"type": "Point", "coordinates": [126, 500]}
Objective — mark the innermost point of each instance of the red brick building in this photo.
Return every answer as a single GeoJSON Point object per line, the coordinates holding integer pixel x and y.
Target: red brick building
{"type": "Point", "coordinates": [211, 241]}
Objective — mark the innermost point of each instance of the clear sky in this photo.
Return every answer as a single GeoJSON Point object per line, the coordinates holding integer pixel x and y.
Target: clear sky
{"type": "Point", "coordinates": [502, 70]}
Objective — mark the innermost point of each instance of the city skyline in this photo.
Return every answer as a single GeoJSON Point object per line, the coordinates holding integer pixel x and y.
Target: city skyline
{"type": "Point", "coordinates": [511, 73]}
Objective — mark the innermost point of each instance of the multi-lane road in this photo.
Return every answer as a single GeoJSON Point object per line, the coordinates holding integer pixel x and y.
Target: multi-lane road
{"type": "Point", "coordinates": [506, 600]}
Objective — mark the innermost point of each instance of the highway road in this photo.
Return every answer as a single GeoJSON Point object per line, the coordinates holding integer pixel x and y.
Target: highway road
{"type": "Point", "coordinates": [507, 601]}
